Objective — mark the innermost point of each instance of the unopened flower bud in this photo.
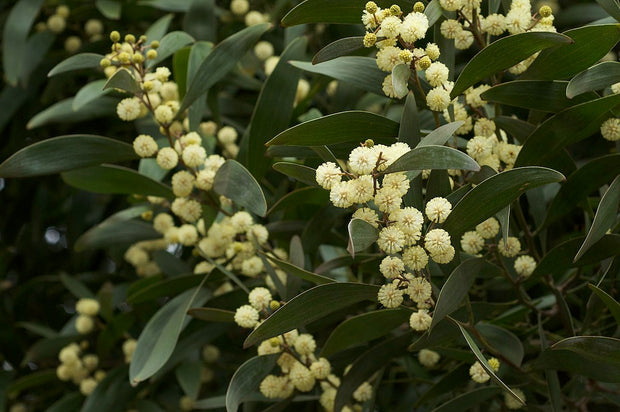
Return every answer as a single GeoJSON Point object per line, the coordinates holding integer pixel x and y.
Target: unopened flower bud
{"type": "Point", "coordinates": [369, 143]}
{"type": "Point", "coordinates": [425, 62]}
{"type": "Point", "coordinates": [130, 38]}
{"type": "Point", "coordinates": [105, 63]}
{"type": "Point", "coordinates": [371, 7]}
{"type": "Point", "coordinates": [406, 56]}
{"type": "Point", "coordinates": [274, 305]}
{"type": "Point", "coordinates": [154, 44]}
{"type": "Point", "coordinates": [395, 10]}
{"type": "Point", "coordinates": [545, 11]}
{"type": "Point", "coordinates": [151, 54]}
{"type": "Point", "coordinates": [418, 7]}
{"type": "Point", "coordinates": [370, 39]}
{"type": "Point", "coordinates": [137, 58]}
{"type": "Point", "coordinates": [115, 36]}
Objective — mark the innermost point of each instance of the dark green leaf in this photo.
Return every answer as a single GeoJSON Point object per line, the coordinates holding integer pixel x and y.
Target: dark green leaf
{"type": "Point", "coordinates": [123, 80]}
{"type": "Point", "coordinates": [361, 236]}
{"type": "Point", "coordinates": [596, 77]}
{"type": "Point", "coordinates": [36, 49]}
{"type": "Point", "coordinates": [360, 329]}
{"type": "Point", "coordinates": [340, 47]}
{"type": "Point", "coordinates": [542, 95]}
{"type": "Point", "coordinates": [88, 93]}
{"type": "Point", "coordinates": [611, 303]}
{"type": "Point", "coordinates": [201, 20]}
{"type": "Point", "coordinates": [324, 299]}
{"type": "Point", "coordinates": [115, 232]}
{"type": "Point", "coordinates": [62, 112]}
{"type": "Point", "coordinates": [299, 272]}
{"type": "Point", "coordinates": [30, 381]}
{"type": "Point", "coordinates": [159, 28]}
{"type": "Point", "coordinates": [199, 52]}
{"type": "Point", "coordinates": [368, 363]}
{"type": "Point", "coordinates": [65, 153]}
{"type": "Point", "coordinates": [433, 157]}
{"type": "Point", "coordinates": [409, 130]}
{"type": "Point", "coordinates": [160, 335]}
{"type": "Point", "coordinates": [360, 72]}
{"type": "Point", "coordinates": [274, 108]}
{"type": "Point", "coordinates": [212, 315]}
{"type": "Point", "coordinates": [69, 402]}
{"type": "Point", "coordinates": [169, 44]}
{"type": "Point", "coordinates": [188, 375]}
{"type": "Point", "coordinates": [109, 8]}
{"type": "Point", "coordinates": [611, 7]}
{"type": "Point", "coordinates": [247, 379]}
{"type": "Point", "coordinates": [590, 44]}
{"type": "Point", "coordinates": [503, 216]}
{"type": "Point", "coordinates": [440, 135]}
{"type": "Point", "coordinates": [220, 61]}
{"type": "Point", "coordinates": [581, 183]}
{"type": "Point", "coordinates": [455, 289]}
{"type": "Point", "coordinates": [117, 180]}
{"type": "Point", "coordinates": [353, 126]}
{"type": "Point", "coordinates": [236, 183]}
{"type": "Point", "coordinates": [15, 36]}
{"type": "Point", "coordinates": [494, 194]}
{"type": "Point", "coordinates": [504, 341]}
{"type": "Point", "coordinates": [468, 400]}
{"type": "Point", "coordinates": [162, 288]}
{"type": "Point", "coordinates": [605, 216]}
{"type": "Point", "coordinates": [113, 392]}
{"type": "Point", "coordinates": [77, 62]}
{"type": "Point", "coordinates": [485, 364]}
{"type": "Point", "coordinates": [503, 54]}
{"type": "Point", "coordinates": [327, 11]}
{"type": "Point", "coordinates": [299, 172]}
{"type": "Point", "coordinates": [76, 287]}
{"type": "Point", "coordinates": [447, 383]}
{"type": "Point", "coordinates": [167, 5]}
{"type": "Point", "coordinates": [519, 129]}
{"type": "Point", "coordinates": [38, 329]}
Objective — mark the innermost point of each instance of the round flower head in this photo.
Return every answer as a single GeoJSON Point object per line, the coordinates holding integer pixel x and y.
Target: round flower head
{"type": "Point", "coordinates": [363, 393]}
{"type": "Point", "coordinates": [390, 296]}
{"type": "Point", "coordinates": [188, 235]}
{"type": "Point", "coordinates": [472, 242]}
{"type": "Point", "coordinates": [271, 386]}
{"type": "Point", "coordinates": [391, 240]}
{"type": "Point", "coordinates": [494, 364]}
{"type": "Point", "coordinates": [428, 358]}
{"type": "Point", "coordinates": [368, 215]}
{"type": "Point", "coordinates": [252, 267]}
{"type": "Point", "coordinates": [187, 209]}
{"type": "Point", "coordinates": [56, 23]}
{"type": "Point", "coordinates": [328, 174]}
{"type": "Point", "coordinates": [415, 258]}
{"type": "Point", "coordinates": [517, 20]}
{"type": "Point", "coordinates": [510, 248]}
{"type": "Point", "coordinates": [388, 200]}
{"type": "Point", "coordinates": [340, 194]}
{"type": "Point", "coordinates": [525, 265]}
{"type": "Point", "coordinates": [246, 316]}
{"type": "Point", "coordinates": [414, 27]}
{"type": "Point", "coordinates": [163, 114]}
{"type": "Point", "coordinates": [182, 183]}
{"type": "Point", "coordinates": [263, 50]}
{"type": "Point", "coordinates": [362, 160]}
{"type": "Point", "coordinates": [479, 147]}
{"type": "Point", "coordinates": [87, 386]}
{"type": "Point", "coordinates": [167, 158]}
{"type": "Point", "coordinates": [388, 88]}
{"type": "Point", "coordinates": [241, 221]}
{"type": "Point", "coordinates": [610, 129]}
{"type": "Point", "coordinates": [420, 320]}
{"type": "Point", "coordinates": [128, 109]}
{"type": "Point", "coordinates": [437, 241]}
{"type": "Point", "coordinates": [390, 27]}
{"type": "Point", "coordinates": [409, 220]}
{"type": "Point", "coordinates": [388, 57]}
{"type": "Point", "coordinates": [511, 402]}
{"type": "Point", "coordinates": [419, 290]}
{"type": "Point", "coordinates": [488, 229]}
{"type": "Point", "coordinates": [438, 209]}
{"type": "Point", "coordinates": [478, 374]}
{"type": "Point", "coordinates": [258, 233]}
{"type": "Point", "coordinates": [259, 298]}
{"type": "Point", "coordinates": [205, 179]}
{"type": "Point", "coordinates": [84, 324]}
{"type": "Point", "coordinates": [451, 5]}
{"type": "Point", "coordinates": [86, 306]}
{"type": "Point", "coordinates": [301, 377]}
{"type": "Point", "coordinates": [194, 156]}
{"type": "Point", "coordinates": [443, 256]}
{"type": "Point", "coordinates": [320, 368]}
{"type": "Point", "coordinates": [144, 145]}
{"type": "Point", "coordinates": [432, 51]}
{"type": "Point", "coordinates": [239, 7]}
{"type": "Point", "coordinates": [437, 74]}
{"type": "Point", "coordinates": [463, 39]}
{"type": "Point", "coordinates": [449, 28]}
{"type": "Point", "coordinates": [227, 135]}
{"type": "Point", "coordinates": [361, 189]}
{"type": "Point", "coordinates": [391, 267]}
{"type": "Point", "coordinates": [214, 162]}
{"type": "Point", "coordinates": [472, 95]}
{"type": "Point", "coordinates": [494, 24]}
{"type": "Point", "coordinates": [484, 127]}
{"type": "Point", "coordinates": [397, 182]}
{"type": "Point", "coordinates": [438, 99]}
{"type": "Point", "coordinates": [305, 344]}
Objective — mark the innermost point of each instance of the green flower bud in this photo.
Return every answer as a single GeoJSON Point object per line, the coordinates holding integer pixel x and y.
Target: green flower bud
{"type": "Point", "coordinates": [371, 7]}
{"type": "Point", "coordinates": [370, 39]}
{"type": "Point", "coordinates": [418, 7]}
{"type": "Point", "coordinates": [115, 36]}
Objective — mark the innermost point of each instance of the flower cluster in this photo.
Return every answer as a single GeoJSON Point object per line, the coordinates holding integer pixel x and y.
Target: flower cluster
{"type": "Point", "coordinates": [477, 372]}
{"type": "Point", "coordinates": [81, 369]}
{"type": "Point", "coordinates": [58, 23]}
{"type": "Point", "coordinates": [87, 310]}
{"type": "Point", "coordinates": [485, 235]}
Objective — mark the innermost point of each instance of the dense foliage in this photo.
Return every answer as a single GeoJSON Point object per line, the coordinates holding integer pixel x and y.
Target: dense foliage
{"type": "Point", "coordinates": [310, 205]}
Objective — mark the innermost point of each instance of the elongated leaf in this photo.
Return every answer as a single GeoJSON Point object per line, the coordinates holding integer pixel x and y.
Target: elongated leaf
{"type": "Point", "coordinates": [328, 11]}
{"type": "Point", "coordinates": [167, 5]}
{"type": "Point", "coordinates": [363, 328]}
{"type": "Point", "coordinates": [188, 376]}
{"type": "Point", "coordinates": [308, 195]}
{"type": "Point", "coordinates": [15, 36]}
{"type": "Point", "coordinates": [62, 112]}
{"type": "Point", "coordinates": [299, 272]}
{"type": "Point", "coordinates": [274, 108]}
{"type": "Point", "coordinates": [455, 289]}
{"type": "Point", "coordinates": [236, 183]}
{"type": "Point", "coordinates": [163, 288]}
{"type": "Point", "coordinates": [503, 340]}
{"type": "Point", "coordinates": [200, 50]}
{"type": "Point", "coordinates": [324, 299]}
{"type": "Point", "coordinates": [361, 236]}
{"type": "Point", "coordinates": [611, 7]}
{"type": "Point", "coordinates": [494, 194]}
{"type": "Point", "coordinates": [468, 400]}
{"type": "Point", "coordinates": [599, 349]}
{"type": "Point", "coordinates": [339, 48]}
{"type": "Point", "coordinates": [69, 402]}
{"type": "Point", "coordinates": [433, 12]}
{"type": "Point", "coordinates": [36, 49]}
{"type": "Point", "coordinates": [123, 80]}
{"type": "Point", "coordinates": [30, 381]}
{"type": "Point", "coordinates": [433, 157]}
{"type": "Point", "coordinates": [519, 129]}
{"type": "Point", "coordinates": [116, 179]}
{"type": "Point", "coordinates": [76, 287]}
{"type": "Point", "coordinates": [112, 233]}
{"type": "Point", "coordinates": [299, 172]}
{"type": "Point", "coordinates": [447, 383]}
{"type": "Point", "coordinates": [545, 96]}
{"type": "Point", "coordinates": [605, 217]}
{"type": "Point", "coordinates": [169, 44]}
{"type": "Point", "coordinates": [400, 79]}
{"type": "Point", "coordinates": [77, 62]}
{"type": "Point", "coordinates": [247, 379]}
{"type": "Point", "coordinates": [596, 77]}
{"type": "Point", "coordinates": [505, 53]}
{"type": "Point", "coordinates": [160, 335]}
{"type": "Point", "coordinates": [65, 153]}
{"type": "Point", "coordinates": [440, 135]}
{"type": "Point", "coordinates": [88, 93]}
{"type": "Point", "coordinates": [212, 314]}
{"type": "Point", "coordinates": [112, 392]}
{"type": "Point", "coordinates": [485, 364]}
{"type": "Point", "coordinates": [159, 28]}
{"type": "Point", "coordinates": [581, 183]}
{"type": "Point", "coordinates": [353, 126]}
{"type": "Point", "coordinates": [611, 303]}
{"type": "Point", "coordinates": [368, 363]}
{"type": "Point", "coordinates": [591, 43]}
{"type": "Point", "coordinates": [220, 61]}
{"type": "Point", "coordinates": [109, 8]}
{"type": "Point", "coordinates": [409, 130]}
{"type": "Point", "coordinates": [201, 20]}
{"type": "Point", "coordinates": [360, 72]}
